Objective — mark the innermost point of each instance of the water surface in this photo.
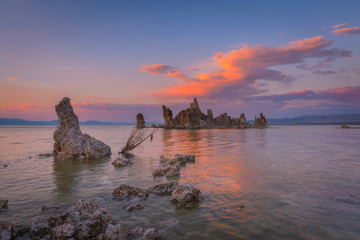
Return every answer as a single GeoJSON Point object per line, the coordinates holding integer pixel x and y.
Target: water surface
{"type": "Point", "coordinates": [295, 182]}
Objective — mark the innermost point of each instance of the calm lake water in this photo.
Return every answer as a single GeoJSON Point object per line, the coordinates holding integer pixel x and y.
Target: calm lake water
{"type": "Point", "coordinates": [295, 182]}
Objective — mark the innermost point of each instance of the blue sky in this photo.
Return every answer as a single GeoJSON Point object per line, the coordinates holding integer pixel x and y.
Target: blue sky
{"type": "Point", "coordinates": [93, 52]}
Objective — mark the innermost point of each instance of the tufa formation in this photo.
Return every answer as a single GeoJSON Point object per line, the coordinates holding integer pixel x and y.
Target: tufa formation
{"type": "Point", "coordinates": [70, 142]}
{"type": "Point", "coordinates": [193, 117]}
{"type": "Point", "coordinates": [140, 121]}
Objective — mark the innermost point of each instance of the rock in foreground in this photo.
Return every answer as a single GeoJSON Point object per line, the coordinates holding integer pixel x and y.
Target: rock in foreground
{"type": "Point", "coordinates": [164, 188]}
{"type": "Point", "coordinates": [185, 194]}
{"type": "Point", "coordinates": [85, 220]}
{"type": "Point", "coordinates": [120, 232]}
{"type": "Point", "coordinates": [168, 170]}
{"type": "Point", "coordinates": [127, 192]}
{"type": "Point", "coordinates": [70, 142]}
{"type": "Point", "coordinates": [7, 230]}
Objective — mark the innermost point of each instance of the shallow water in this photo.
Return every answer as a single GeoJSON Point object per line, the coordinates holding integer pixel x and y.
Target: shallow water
{"type": "Point", "coordinates": [295, 182]}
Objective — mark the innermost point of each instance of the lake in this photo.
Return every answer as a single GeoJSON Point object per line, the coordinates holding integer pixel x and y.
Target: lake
{"type": "Point", "coordinates": [295, 182]}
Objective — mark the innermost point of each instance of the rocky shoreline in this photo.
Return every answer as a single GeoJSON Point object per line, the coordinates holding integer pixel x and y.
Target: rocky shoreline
{"type": "Point", "coordinates": [92, 220]}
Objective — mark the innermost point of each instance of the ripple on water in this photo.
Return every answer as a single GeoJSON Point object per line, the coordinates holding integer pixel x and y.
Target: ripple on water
{"type": "Point", "coordinates": [289, 182]}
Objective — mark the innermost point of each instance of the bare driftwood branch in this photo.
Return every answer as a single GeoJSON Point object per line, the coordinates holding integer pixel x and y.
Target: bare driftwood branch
{"type": "Point", "coordinates": [137, 136]}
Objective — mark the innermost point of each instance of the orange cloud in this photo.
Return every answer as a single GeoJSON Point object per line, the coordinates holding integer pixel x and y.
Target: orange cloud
{"type": "Point", "coordinates": [346, 90]}
{"type": "Point", "coordinates": [347, 31]}
{"type": "Point", "coordinates": [12, 79]}
{"type": "Point", "coordinates": [240, 69]}
{"type": "Point", "coordinates": [338, 25]}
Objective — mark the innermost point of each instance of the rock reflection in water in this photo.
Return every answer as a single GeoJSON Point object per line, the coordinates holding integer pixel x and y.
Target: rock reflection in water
{"type": "Point", "coordinates": [70, 174]}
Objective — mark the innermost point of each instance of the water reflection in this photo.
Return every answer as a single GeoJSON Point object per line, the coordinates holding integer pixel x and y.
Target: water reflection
{"type": "Point", "coordinates": [69, 174]}
{"type": "Point", "coordinates": [286, 183]}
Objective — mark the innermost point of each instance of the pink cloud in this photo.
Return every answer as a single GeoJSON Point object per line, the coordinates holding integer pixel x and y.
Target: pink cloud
{"type": "Point", "coordinates": [12, 79]}
{"type": "Point", "coordinates": [240, 69]}
{"type": "Point", "coordinates": [165, 70]}
{"type": "Point", "coordinates": [338, 25]}
{"type": "Point", "coordinates": [158, 69]}
{"type": "Point", "coordinates": [307, 98]}
{"type": "Point", "coordinates": [347, 31]}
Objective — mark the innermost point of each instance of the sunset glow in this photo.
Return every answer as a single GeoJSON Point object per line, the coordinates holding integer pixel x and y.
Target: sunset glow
{"type": "Point", "coordinates": [114, 61]}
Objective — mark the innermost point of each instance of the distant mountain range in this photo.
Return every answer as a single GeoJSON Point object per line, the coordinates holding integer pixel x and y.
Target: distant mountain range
{"type": "Point", "coordinates": [334, 119]}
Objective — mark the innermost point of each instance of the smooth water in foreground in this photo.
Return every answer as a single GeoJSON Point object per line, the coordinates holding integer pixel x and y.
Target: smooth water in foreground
{"type": "Point", "coordinates": [295, 182]}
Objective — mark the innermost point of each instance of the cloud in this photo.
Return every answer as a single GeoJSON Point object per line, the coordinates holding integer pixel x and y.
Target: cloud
{"type": "Point", "coordinates": [324, 72]}
{"type": "Point", "coordinates": [347, 31]}
{"type": "Point", "coordinates": [12, 79]}
{"type": "Point", "coordinates": [310, 98]}
{"type": "Point", "coordinates": [158, 69]}
{"type": "Point", "coordinates": [165, 70]}
{"type": "Point", "coordinates": [240, 69]}
{"type": "Point", "coordinates": [338, 25]}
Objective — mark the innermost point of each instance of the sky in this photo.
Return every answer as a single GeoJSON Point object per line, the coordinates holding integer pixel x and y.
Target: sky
{"type": "Point", "coordinates": [114, 59]}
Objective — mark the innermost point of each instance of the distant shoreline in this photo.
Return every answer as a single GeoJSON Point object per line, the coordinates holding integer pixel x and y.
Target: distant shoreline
{"type": "Point", "coordinates": [334, 119]}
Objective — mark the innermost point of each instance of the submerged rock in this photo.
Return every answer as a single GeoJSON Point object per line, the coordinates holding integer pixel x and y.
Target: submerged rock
{"type": "Point", "coordinates": [121, 162]}
{"type": "Point", "coordinates": [140, 122]}
{"type": "Point", "coordinates": [55, 207]}
{"type": "Point", "coordinates": [4, 204]}
{"type": "Point", "coordinates": [45, 155]}
{"type": "Point", "coordinates": [120, 232]}
{"type": "Point", "coordinates": [179, 159]}
{"type": "Point", "coordinates": [7, 230]}
{"type": "Point", "coordinates": [151, 234]}
{"type": "Point", "coordinates": [168, 170]}
{"type": "Point", "coordinates": [127, 192]}
{"type": "Point", "coordinates": [171, 167]}
{"type": "Point", "coordinates": [130, 207]}
{"type": "Point", "coordinates": [185, 158]}
{"type": "Point", "coordinates": [184, 194]}
{"type": "Point", "coordinates": [164, 188]}
{"type": "Point", "coordinates": [70, 142]}
{"type": "Point", "coordinates": [174, 171]}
